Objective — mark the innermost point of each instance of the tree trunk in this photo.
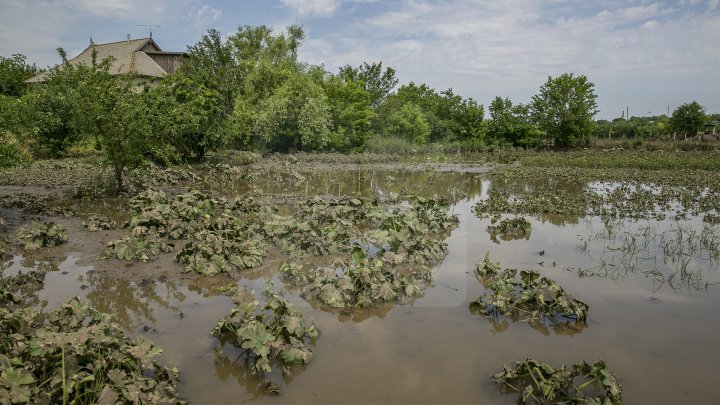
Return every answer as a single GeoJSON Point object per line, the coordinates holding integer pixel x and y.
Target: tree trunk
{"type": "Point", "coordinates": [118, 179]}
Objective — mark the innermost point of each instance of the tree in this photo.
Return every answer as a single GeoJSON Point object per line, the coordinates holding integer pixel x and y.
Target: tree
{"type": "Point", "coordinates": [351, 112]}
{"type": "Point", "coordinates": [44, 113]}
{"type": "Point", "coordinates": [13, 72]}
{"type": "Point", "coordinates": [688, 118]}
{"type": "Point", "coordinates": [110, 108]}
{"type": "Point", "coordinates": [511, 124]}
{"type": "Point", "coordinates": [266, 61]}
{"type": "Point", "coordinates": [408, 123]}
{"type": "Point", "coordinates": [449, 116]}
{"type": "Point", "coordinates": [296, 116]}
{"type": "Point", "coordinates": [564, 108]}
{"type": "Point", "coordinates": [378, 83]}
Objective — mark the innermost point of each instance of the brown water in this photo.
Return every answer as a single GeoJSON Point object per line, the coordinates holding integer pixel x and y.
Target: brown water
{"type": "Point", "coordinates": [661, 340]}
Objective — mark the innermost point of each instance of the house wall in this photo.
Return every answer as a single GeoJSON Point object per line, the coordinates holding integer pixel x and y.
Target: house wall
{"type": "Point", "coordinates": [150, 47]}
{"type": "Point", "coordinates": [168, 62]}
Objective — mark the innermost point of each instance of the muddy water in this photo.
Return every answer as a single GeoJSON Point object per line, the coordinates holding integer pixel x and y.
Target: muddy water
{"type": "Point", "coordinates": [660, 338]}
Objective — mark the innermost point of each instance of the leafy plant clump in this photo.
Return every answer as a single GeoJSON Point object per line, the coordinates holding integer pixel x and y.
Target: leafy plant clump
{"type": "Point", "coordinates": [140, 245]}
{"type": "Point", "coordinates": [217, 252]}
{"type": "Point", "coordinates": [361, 283]}
{"type": "Point", "coordinates": [510, 228]}
{"type": "Point", "coordinates": [540, 383]}
{"type": "Point", "coordinates": [42, 234]}
{"type": "Point", "coordinates": [74, 354]}
{"type": "Point", "coordinates": [98, 222]}
{"type": "Point", "coordinates": [529, 297]}
{"type": "Point", "coordinates": [233, 235]}
{"type": "Point", "coordinates": [275, 333]}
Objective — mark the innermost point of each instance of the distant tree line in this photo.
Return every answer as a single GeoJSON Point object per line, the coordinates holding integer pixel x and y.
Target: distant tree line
{"type": "Point", "coordinates": [686, 121]}
{"type": "Point", "coordinates": [249, 91]}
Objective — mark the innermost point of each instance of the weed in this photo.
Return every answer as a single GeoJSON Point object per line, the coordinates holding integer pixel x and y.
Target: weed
{"type": "Point", "coordinates": [42, 234]}
{"type": "Point", "coordinates": [541, 383]}
{"type": "Point", "coordinates": [273, 334]}
{"type": "Point", "coordinates": [527, 297]}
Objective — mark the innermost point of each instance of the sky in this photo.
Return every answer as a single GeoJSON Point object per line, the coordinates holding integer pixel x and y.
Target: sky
{"type": "Point", "coordinates": [647, 56]}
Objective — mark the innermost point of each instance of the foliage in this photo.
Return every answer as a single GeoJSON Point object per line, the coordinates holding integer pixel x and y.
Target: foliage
{"type": "Point", "coordinates": [361, 283]}
{"type": "Point", "coordinates": [42, 234]}
{"type": "Point", "coordinates": [634, 127]}
{"type": "Point", "coordinates": [13, 72]}
{"type": "Point", "coordinates": [351, 110]}
{"type": "Point", "coordinates": [138, 246]}
{"type": "Point", "coordinates": [275, 333]}
{"type": "Point", "coordinates": [45, 114]}
{"type": "Point", "coordinates": [11, 153]}
{"type": "Point", "coordinates": [408, 123]}
{"type": "Point", "coordinates": [190, 108]}
{"type": "Point", "coordinates": [448, 116]}
{"type": "Point", "coordinates": [377, 83]}
{"type": "Point", "coordinates": [510, 228]}
{"type": "Point", "coordinates": [186, 116]}
{"type": "Point", "coordinates": [538, 383]}
{"type": "Point", "coordinates": [295, 117]}
{"type": "Point", "coordinates": [223, 234]}
{"type": "Point", "coordinates": [265, 62]}
{"type": "Point", "coordinates": [511, 124]}
{"type": "Point", "coordinates": [77, 355]}
{"type": "Point", "coordinates": [564, 108]}
{"type": "Point", "coordinates": [98, 222]}
{"type": "Point", "coordinates": [219, 252]}
{"type": "Point", "coordinates": [529, 298]}
{"type": "Point", "coordinates": [688, 118]}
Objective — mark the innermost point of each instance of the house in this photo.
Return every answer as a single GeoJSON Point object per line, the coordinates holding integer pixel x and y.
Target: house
{"type": "Point", "coordinates": [140, 56]}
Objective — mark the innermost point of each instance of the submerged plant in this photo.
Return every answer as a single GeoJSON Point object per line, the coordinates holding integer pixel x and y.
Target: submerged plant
{"type": "Point", "coordinates": [274, 334]}
{"type": "Point", "coordinates": [361, 283]}
{"type": "Point", "coordinates": [509, 228]}
{"type": "Point", "coordinates": [526, 296]}
{"type": "Point", "coordinates": [42, 234]}
{"type": "Point", "coordinates": [541, 383]}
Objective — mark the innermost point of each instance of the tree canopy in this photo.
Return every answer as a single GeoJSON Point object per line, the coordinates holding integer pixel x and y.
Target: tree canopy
{"type": "Point", "coordinates": [564, 108]}
{"type": "Point", "coordinates": [688, 118]}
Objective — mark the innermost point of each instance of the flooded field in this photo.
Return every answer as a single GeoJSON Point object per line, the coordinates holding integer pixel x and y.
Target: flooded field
{"type": "Point", "coordinates": [647, 269]}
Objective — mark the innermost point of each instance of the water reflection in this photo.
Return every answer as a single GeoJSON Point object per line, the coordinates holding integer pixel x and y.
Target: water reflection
{"type": "Point", "coordinates": [133, 303]}
{"type": "Point", "coordinates": [500, 323]}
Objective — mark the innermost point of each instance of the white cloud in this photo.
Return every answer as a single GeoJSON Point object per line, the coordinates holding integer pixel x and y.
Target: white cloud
{"type": "Point", "coordinates": [483, 49]}
{"type": "Point", "coordinates": [204, 15]}
{"type": "Point", "coordinates": [319, 8]}
{"type": "Point", "coordinates": [712, 4]}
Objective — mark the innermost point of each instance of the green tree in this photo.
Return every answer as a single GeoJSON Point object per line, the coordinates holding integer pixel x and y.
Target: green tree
{"type": "Point", "coordinates": [351, 112]}
{"type": "Point", "coordinates": [265, 62]}
{"type": "Point", "coordinates": [295, 117]}
{"type": "Point", "coordinates": [13, 72]}
{"type": "Point", "coordinates": [44, 113]}
{"type": "Point", "coordinates": [511, 124]}
{"type": "Point", "coordinates": [408, 122]}
{"type": "Point", "coordinates": [192, 106]}
{"type": "Point", "coordinates": [564, 108]}
{"type": "Point", "coordinates": [688, 118]}
{"type": "Point", "coordinates": [109, 108]}
{"type": "Point", "coordinates": [377, 82]}
{"type": "Point", "coordinates": [449, 116]}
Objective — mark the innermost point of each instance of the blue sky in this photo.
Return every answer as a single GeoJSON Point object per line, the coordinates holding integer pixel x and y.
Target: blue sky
{"type": "Point", "coordinates": [642, 54]}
